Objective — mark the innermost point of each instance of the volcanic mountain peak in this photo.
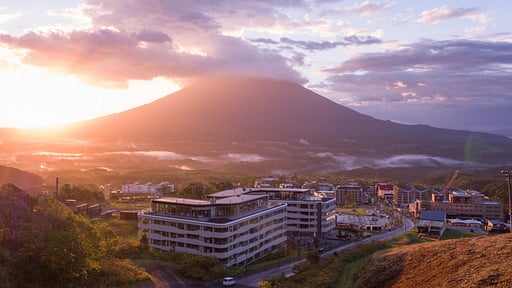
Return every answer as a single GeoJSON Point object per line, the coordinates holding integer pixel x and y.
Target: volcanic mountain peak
{"type": "Point", "coordinates": [230, 109]}
{"type": "Point", "coordinates": [213, 113]}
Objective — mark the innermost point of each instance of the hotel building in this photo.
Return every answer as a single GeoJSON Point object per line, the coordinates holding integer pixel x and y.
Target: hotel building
{"type": "Point", "coordinates": [463, 205]}
{"type": "Point", "coordinates": [403, 196]}
{"type": "Point", "coordinates": [307, 215]}
{"type": "Point", "coordinates": [237, 230]}
{"type": "Point", "coordinates": [351, 193]}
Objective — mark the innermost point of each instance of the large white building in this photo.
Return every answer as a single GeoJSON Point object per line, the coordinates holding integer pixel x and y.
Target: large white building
{"type": "Point", "coordinates": [237, 226]}
{"type": "Point", "coordinates": [308, 215]}
{"type": "Point", "coordinates": [148, 189]}
{"type": "Point", "coordinates": [237, 230]}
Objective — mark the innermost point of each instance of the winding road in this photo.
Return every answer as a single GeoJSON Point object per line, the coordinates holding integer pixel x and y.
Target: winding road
{"type": "Point", "coordinates": [252, 278]}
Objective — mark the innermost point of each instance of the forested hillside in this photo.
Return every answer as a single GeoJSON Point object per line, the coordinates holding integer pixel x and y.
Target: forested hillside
{"type": "Point", "coordinates": [42, 241]}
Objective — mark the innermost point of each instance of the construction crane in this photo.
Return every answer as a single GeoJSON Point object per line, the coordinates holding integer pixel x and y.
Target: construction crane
{"type": "Point", "coordinates": [445, 190]}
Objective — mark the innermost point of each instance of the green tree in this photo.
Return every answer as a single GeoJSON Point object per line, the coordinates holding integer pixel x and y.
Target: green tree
{"type": "Point", "coordinates": [221, 186]}
{"type": "Point", "coordinates": [195, 190]}
{"type": "Point", "coordinates": [60, 247]}
{"type": "Point", "coordinates": [82, 193]}
{"type": "Point", "coordinates": [43, 244]}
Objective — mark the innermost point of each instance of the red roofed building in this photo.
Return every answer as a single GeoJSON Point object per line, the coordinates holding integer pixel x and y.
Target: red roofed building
{"type": "Point", "coordinates": [385, 191]}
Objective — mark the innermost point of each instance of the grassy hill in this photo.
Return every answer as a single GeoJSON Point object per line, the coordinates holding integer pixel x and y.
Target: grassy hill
{"type": "Point", "coordinates": [468, 262]}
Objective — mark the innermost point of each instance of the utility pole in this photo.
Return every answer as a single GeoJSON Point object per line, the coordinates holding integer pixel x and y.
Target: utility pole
{"type": "Point", "coordinates": [508, 174]}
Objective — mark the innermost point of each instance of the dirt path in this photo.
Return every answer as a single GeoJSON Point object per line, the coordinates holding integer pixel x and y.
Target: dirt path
{"type": "Point", "coordinates": [164, 277]}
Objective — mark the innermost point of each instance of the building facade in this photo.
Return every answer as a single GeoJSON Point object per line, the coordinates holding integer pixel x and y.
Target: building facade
{"type": "Point", "coordinates": [307, 215]}
{"type": "Point", "coordinates": [403, 196]}
{"type": "Point", "coordinates": [462, 204]}
{"type": "Point", "coordinates": [351, 193]}
{"type": "Point", "coordinates": [237, 230]}
{"type": "Point", "coordinates": [432, 223]}
{"type": "Point", "coordinates": [385, 191]}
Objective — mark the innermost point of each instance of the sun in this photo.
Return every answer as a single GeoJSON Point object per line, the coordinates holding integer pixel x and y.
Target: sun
{"type": "Point", "coordinates": [35, 98]}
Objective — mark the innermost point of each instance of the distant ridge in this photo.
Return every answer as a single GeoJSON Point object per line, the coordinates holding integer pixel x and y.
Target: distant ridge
{"type": "Point", "coordinates": [19, 178]}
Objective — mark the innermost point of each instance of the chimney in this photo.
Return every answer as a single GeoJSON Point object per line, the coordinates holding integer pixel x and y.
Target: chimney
{"type": "Point", "coordinates": [57, 188]}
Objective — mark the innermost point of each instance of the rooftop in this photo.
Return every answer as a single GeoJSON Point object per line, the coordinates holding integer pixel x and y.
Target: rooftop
{"type": "Point", "coordinates": [243, 191]}
{"type": "Point", "coordinates": [236, 199]}
{"type": "Point", "coordinates": [433, 215]}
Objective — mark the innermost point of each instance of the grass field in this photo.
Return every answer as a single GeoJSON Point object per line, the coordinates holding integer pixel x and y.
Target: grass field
{"type": "Point", "coordinates": [124, 229]}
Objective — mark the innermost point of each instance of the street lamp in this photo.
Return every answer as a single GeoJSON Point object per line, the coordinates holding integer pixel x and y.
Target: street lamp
{"type": "Point", "coordinates": [508, 174]}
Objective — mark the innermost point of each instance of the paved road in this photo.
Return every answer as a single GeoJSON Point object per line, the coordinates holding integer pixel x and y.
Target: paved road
{"type": "Point", "coordinates": [252, 279]}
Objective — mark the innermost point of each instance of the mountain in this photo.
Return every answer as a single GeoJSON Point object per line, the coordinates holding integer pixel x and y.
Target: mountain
{"type": "Point", "coordinates": [260, 126]}
{"type": "Point", "coordinates": [19, 178]}
{"type": "Point", "coordinates": [251, 110]}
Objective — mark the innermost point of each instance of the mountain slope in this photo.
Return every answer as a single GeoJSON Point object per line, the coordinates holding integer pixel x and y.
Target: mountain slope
{"type": "Point", "coordinates": [217, 112]}
{"type": "Point", "coordinates": [470, 262]}
{"type": "Point", "coordinates": [234, 109]}
{"type": "Point", "coordinates": [19, 178]}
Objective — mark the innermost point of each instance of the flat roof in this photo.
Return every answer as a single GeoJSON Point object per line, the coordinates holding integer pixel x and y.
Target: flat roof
{"type": "Point", "coordinates": [433, 215]}
{"type": "Point", "coordinates": [242, 191]}
{"type": "Point", "coordinates": [228, 193]}
{"type": "Point", "coordinates": [237, 199]}
{"type": "Point", "coordinates": [185, 201]}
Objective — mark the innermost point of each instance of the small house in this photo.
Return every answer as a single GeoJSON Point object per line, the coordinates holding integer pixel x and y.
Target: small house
{"type": "Point", "coordinates": [432, 223]}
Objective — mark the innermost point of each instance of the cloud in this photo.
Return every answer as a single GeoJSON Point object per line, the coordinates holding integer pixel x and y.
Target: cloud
{"type": "Point", "coordinates": [150, 36]}
{"type": "Point", "coordinates": [443, 13]}
{"type": "Point", "coordinates": [6, 17]}
{"type": "Point", "coordinates": [455, 71]}
{"type": "Point", "coordinates": [161, 155]}
{"type": "Point", "coordinates": [234, 157]}
{"type": "Point", "coordinates": [286, 43]}
{"type": "Point", "coordinates": [366, 8]}
{"type": "Point", "coordinates": [326, 45]}
{"type": "Point", "coordinates": [406, 160]}
{"type": "Point", "coordinates": [146, 40]}
{"type": "Point", "coordinates": [172, 156]}
{"type": "Point", "coordinates": [264, 41]}
{"type": "Point", "coordinates": [111, 58]}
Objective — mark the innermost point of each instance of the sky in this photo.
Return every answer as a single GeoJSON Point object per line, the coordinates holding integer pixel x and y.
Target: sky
{"type": "Point", "coordinates": [441, 63]}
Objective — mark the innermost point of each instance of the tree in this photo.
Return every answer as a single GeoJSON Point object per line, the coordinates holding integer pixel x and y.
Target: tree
{"type": "Point", "coordinates": [221, 186]}
{"type": "Point", "coordinates": [195, 190]}
{"type": "Point", "coordinates": [144, 242]}
{"type": "Point", "coordinates": [313, 257]}
{"type": "Point", "coordinates": [60, 247]}
{"type": "Point", "coordinates": [42, 243]}
{"type": "Point", "coordinates": [82, 193]}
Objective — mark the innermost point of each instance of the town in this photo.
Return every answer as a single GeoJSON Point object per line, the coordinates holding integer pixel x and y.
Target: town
{"type": "Point", "coordinates": [242, 225]}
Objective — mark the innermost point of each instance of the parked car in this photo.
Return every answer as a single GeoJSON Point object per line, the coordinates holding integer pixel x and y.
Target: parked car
{"type": "Point", "coordinates": [228, 281]}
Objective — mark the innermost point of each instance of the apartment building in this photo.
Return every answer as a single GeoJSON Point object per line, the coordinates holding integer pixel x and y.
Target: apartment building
{"type": "Point", "coordinates": [350, 193]}
{"type": "Point", "coordinates": [404, 195]}
{"type": "Point", "coordinates": [237, 230]}
{"type": "Point", "coordinates": [462, 204]}
{"type": "Point", "coordinates": [307, 215]}
{"type": "Point", "coordinates": [385, 191]}
{"type": "Point", "coordinates": [149, 190]}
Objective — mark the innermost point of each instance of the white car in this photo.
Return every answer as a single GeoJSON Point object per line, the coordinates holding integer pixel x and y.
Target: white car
{"type": "Point", "coordinates": [228, 281]}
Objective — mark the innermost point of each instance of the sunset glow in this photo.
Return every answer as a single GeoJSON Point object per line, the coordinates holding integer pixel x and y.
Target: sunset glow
{"type": "Point", "coordinates": [40, 99]}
